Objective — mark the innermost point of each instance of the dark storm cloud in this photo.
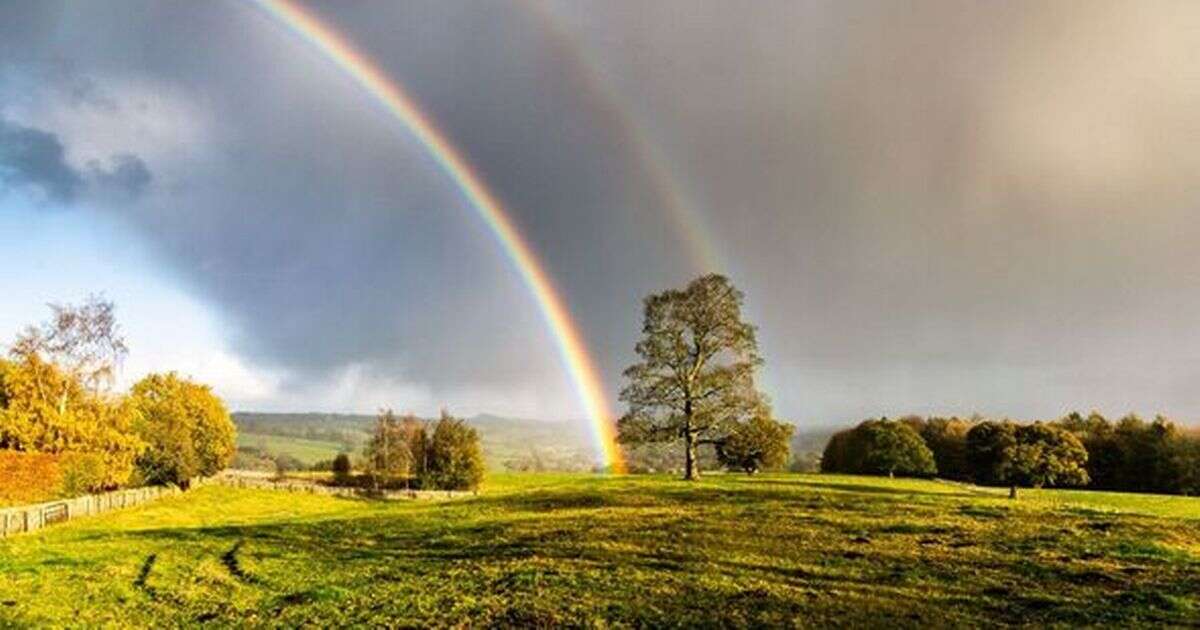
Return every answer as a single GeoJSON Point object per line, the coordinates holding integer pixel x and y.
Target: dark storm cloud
{"type": "Point", "coordinates": [32, 157]}
{"type": "Point", "coordinates": [327, 238]}
{"type": "Point", "coordinates": [941, 206]}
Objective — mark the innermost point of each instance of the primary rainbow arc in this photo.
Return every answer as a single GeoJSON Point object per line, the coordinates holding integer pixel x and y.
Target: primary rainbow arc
{"type": "Point", "coordinates": [392, 97]}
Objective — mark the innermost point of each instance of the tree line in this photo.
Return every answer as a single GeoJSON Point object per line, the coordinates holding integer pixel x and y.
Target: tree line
{"type": "Point", "coordinates": [56, 399]}
{"type": "Point", "coordinates": [1129, 454]}
{"type": "Point", "coordinates": [406, 452]}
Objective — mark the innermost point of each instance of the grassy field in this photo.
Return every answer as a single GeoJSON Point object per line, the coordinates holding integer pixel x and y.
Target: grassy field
{"type": "Point", "coordinates": [307, 451]}
{"type": "Point", "coordinates": [540, 550]}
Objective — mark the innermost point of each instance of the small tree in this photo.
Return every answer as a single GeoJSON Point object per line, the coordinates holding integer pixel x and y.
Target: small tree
{"type": "Point", "coordinates": [341, 469]}
{"type": "Point", "coordinates": [1043, 455]}
{"type": "Point", "coordinates": [397, 449]}
{"type": "Point", "coordinates": [695, 378]}
{"type": "Point", "coordinates": [759, 444]}
{"type": "Point", "coordinates": [455, 457]}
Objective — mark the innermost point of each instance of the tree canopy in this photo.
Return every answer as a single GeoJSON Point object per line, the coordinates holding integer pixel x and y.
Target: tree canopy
{"type": "Point", "coordinates": [695, 378]}
{"type": "Point", "coordinates": [757, 444]}
{"type": "Point", "coordinates": [187, 428]}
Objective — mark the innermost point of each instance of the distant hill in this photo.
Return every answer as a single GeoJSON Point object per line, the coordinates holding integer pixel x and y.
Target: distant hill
{"type": "Point", "coordinates": [508, 443]}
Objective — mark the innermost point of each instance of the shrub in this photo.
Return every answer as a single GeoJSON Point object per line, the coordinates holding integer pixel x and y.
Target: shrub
{"type": "Point", "coordinates": [341, 468]}
{"type": "Point", "coordinates": [28, 477]}
{"type": "Point", "coordinates": [82, 473]}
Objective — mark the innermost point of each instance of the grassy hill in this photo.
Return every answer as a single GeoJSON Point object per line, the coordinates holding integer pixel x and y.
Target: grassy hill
{"type": "Point", "coordinates": [582, 549]}
{"type": "Point", "coordinates": [307, 451]}
{"type": "Point", "coordinates": [506, 442]}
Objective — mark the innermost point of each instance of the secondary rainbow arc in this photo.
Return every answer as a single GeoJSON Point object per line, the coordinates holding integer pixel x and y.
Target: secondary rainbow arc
{"type": "Point", "coordinates": [392, 97]}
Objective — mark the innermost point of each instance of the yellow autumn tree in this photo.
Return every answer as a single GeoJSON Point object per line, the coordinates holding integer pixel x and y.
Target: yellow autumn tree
{"type": "Point", "coordinates": [44, 409]}
{"type": "Point", "coordinates": [187, 429]}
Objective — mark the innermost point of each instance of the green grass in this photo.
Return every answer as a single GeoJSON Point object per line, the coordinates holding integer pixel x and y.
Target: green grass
{"type": "Point", "coordinates": [307, 451]}
{"type": "Point", "coordinates": [807, 550]}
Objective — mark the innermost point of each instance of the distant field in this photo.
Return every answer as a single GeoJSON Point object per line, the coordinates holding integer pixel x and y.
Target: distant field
{"type": "Point", "coordinates": [541, 549]}
{"type": "Point", "coordinates": [307, 451]}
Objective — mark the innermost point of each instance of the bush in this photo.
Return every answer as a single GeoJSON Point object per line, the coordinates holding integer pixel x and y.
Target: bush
{"type": "Point", "coordinates": [82, 473]}
{"type": "Point", "coordinates": [285, 463]}
{"type": "Point", "coordinates": [341, 468]}
{"type": "Point", "coordinates": [28, 477]}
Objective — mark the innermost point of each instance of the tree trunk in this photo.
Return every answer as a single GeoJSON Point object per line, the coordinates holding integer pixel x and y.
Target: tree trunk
{"type": "Point", "coordinates": [690, 471]}
{"type": "Point", "coordinates": [1012, 492]}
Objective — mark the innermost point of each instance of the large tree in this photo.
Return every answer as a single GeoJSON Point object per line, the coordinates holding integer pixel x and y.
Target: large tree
{"type": "Point", "coordinates": [695, 379]}
{"type": "Point", "coordinates": [1037, 455]}
{"type": "Point", "coordinates": [187, 428]}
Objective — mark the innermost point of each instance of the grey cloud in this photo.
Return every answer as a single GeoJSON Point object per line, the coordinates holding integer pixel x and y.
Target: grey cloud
{"type": "Point", "coordinates": [35, 158]}
{"type": "Point", "coordinates": [125, 172]}
{"type": "Point", "coordinates": [936, 207]}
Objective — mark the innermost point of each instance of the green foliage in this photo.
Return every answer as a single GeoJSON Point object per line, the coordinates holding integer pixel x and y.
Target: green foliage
{"type": "Point", "coordinates": [987, 443]}
{"type": "Point", "coordinates": [757, 444]}
{"type": "Point", "coordinates": [341, 468]}
{"type": "Point", "coordinates": [620, 552]}
{"type": "Point", "coordinates": [947, 439]}
{"type": "Point", "coordinates": [1044, 455]}
{"type": "Point", "coordinates": [1038, 454]}
{"type": "Point", "coordinates": [82, 473]}
{"type": "Point", "coordinates": [879, 447]}
{"type": "Point", "coordinates": [187, 428]}
{"type": "Point", "coordinates": [455, 460]}
{"type": "Point", "coordinates": [695, 377]}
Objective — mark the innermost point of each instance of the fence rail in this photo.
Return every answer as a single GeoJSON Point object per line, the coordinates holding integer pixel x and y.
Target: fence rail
{"type": "Point", "coordinates": [29, 518]}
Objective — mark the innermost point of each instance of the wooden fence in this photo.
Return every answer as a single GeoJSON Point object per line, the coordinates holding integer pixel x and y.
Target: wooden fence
{"type": "Point", "coordinates": [29, 518]}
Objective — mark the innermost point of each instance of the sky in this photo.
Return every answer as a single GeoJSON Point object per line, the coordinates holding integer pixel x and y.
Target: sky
{"type": "Point", "coordinates": [935, 208]}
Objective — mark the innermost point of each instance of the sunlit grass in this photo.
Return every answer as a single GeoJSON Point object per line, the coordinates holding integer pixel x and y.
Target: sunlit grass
{"type": "Point", "coordinates": [550, 549]}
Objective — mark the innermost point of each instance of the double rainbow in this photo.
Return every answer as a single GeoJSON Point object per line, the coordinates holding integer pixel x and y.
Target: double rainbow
{"type": "Point", "coordinates": [392, 97]}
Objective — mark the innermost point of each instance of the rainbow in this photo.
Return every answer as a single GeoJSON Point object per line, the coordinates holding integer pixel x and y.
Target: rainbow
{"type": "Point", "coordinates": [688, 222]}
{"type": "Point", "coordinates": [400, 106]}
